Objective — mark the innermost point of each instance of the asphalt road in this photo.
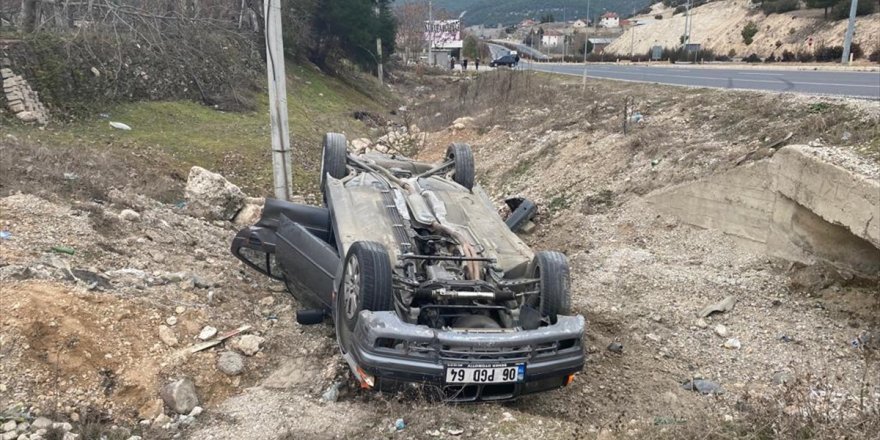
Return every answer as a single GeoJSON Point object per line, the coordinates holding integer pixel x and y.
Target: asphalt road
{"type": "Point", "coordinates": [856, 84]}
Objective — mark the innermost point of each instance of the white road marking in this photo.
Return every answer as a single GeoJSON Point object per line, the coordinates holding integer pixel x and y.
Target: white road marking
{"type": "Point", "coordinates": [714, 78]}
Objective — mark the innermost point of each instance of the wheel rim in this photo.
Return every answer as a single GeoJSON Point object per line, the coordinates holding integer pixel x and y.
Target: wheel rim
{"type": "Point", "coordinates": [352, 288]}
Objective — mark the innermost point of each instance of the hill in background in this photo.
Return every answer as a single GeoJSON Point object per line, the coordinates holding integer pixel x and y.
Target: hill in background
{"type": "Point", "coordinates": [493, 12]}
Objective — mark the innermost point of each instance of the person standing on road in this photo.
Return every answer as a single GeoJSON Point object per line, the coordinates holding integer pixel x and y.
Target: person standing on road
{"type": "Point", "coordinates": [477, 64]}
{"type": "Point", "coordinates": [464, 64]}
{"type": "Point", "coordinates": [451, 63]}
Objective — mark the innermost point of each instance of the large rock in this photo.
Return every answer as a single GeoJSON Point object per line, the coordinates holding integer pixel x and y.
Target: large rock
{"type": "Point", "coordinates": [180, 395]}
{"type": "Point", "coordinates": [248, 345]}
{"type": "Point", "coordinates": [211, 195]}
{"type": "Point", "coordinates": [250, 213]}
{"type": "Point", "coordinates": [230, 363]}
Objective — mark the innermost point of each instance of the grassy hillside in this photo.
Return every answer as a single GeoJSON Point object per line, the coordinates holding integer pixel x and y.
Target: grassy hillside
{"type": "Point", "coordinates": [179, 134]}
{"type": "Point", "coordinates": [492, 12]}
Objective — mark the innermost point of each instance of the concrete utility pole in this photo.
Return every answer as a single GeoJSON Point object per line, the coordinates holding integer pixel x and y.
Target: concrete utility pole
{"type": "Point", "coordinates": [586, 41]}
{"type": "Point", "coordinates": [379, 69]}
{"type": "Point", "coordinates": [379, 72]}
{"type": "Point", "coordinates": [431, 61]}
{"type": "Point", "coordinates": [687, 23]}
{"type": "Point", "coordinates": [282, 168]}
{"type": "Point", "coordinates": [850, 30]}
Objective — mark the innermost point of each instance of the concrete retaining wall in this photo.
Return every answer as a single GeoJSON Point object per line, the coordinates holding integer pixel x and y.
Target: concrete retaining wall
{"type": "Point", "coordinates": [795, 205]}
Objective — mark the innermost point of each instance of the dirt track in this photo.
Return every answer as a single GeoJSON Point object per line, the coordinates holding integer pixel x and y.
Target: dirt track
{"type": "Point", "coordinates": [638, 277]}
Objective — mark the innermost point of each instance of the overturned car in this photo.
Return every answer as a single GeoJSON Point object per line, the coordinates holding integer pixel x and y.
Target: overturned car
{"type": "Point", "coordinates": [425, 282]}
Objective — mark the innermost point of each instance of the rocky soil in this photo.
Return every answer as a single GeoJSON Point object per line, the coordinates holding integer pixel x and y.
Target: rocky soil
{"type": "Point", "coordinates": [101, 297]}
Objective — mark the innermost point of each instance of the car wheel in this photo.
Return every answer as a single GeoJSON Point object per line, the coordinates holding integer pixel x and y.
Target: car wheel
{"type": "Point", "coordinates": [365, 284]}
{"type": "Point", "coordinates": [464, 164]}
{"type": "Point", "coordinates": [551, 268]}
{"type": "Point", "coordinates": [333, 157]}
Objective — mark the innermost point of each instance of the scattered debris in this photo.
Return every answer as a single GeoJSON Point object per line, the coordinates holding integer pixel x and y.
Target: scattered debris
{"type": "Point", "coordinates": [399, 424]}
{"type": "Point", "coordinates": [615, 347]}
{"type": "Point", "coordinates": [248, 345]}
{"type": "Point", "coordinates": [120, 126]}
{"type": "Point", "coordinates": [455, 431]}
{"type": "Point", "coordinates": [63, 250]}
{"type": "Point", "coordinates": [732, 344]}
{"type": "Point", "coordinates": [207, 332]}
{"type": "Point", "coordinates": [721, 330]}
{"type": "Point", "coordinates": [5, 235]}
{"type": "Point", "coordinates": [208, 344]}
{"type": "Point", "coordinates": [332, 393]}
{"type": "Point", "coordinates": [129, 215]}
{"type": "Point", "coordinates": [166, 335]}
{"type": "Point", "coordinates": [786, 338]}
{"type": "Point", "coordinates": [652, 337]}
{"type": "Point", "coordinates": [703, 386]}
{"type": "Point", "coordinates": [701, 323]}
{"type": "Point", "coordinates": [722, 306]}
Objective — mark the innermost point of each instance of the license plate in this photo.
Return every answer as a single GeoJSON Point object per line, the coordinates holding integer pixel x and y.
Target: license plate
{"type": "Point", "coordinates": [492, 374]}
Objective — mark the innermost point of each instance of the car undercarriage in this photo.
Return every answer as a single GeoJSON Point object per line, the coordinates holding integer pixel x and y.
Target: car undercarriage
{"type": "Point", "coordinates": [425, 282]}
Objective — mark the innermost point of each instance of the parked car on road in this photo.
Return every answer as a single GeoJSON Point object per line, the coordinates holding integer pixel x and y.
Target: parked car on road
{"type": "Point", "coordinates": [508, 60]}
{"type": "Point", "coordinates": [424, 281]}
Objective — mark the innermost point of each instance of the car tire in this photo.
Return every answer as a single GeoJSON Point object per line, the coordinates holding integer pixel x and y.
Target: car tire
{"type": "Point", "coordinates": [551, 269]}
{"type": "Point", "coordinates": [365, 283]}
{"type": "Point", "coordinates": [333, 157]}
{"type": "Point", "coordinates": [463, 157]}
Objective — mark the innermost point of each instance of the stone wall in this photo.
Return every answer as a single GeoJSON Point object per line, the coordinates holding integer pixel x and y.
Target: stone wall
{"type": "Point", "coordinates": [21, 99]}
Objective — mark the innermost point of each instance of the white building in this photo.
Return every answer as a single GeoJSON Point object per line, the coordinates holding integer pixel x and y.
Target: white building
{"type": "Point", "coordinates": [579, 24]}
{"type": "Point", "coordinates": [551, 39]}
{"type": "Point", "coordinates": [609, 20]}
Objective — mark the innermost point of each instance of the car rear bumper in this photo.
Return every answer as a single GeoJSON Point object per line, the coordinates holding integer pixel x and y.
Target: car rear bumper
{"type": "Point", "coordinates": [398, 354]}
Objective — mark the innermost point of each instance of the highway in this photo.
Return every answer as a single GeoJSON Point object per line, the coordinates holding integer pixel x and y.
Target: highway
{"type": "Point", "coordinates": [813, 82]}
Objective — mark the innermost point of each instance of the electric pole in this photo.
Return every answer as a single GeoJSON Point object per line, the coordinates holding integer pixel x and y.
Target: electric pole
{"type": "Point", "coordinates": [850, 30]}
{"type": "Point", "coordinates": [586, 41]}
{"type": "Point", "coordinates": [431, 34]}
{"type": "Point", "coordinates": [282, 167]}
{"type": "Point", "coordinates": [379, 72]}
{"type": "Point", "coordinates": [687, 24]}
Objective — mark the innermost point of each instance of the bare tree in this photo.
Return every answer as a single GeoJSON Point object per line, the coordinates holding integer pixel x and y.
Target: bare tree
{"type": "Point", "coordinates": [411, 18]}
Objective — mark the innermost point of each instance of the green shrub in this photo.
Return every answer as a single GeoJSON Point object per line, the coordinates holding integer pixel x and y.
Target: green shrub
{"type": "Point", "coordinates": [841, 9]}
{"type": "Point", "coordinates": [779, 6]}
{"type": "Point", "coordinates": [748, 32]}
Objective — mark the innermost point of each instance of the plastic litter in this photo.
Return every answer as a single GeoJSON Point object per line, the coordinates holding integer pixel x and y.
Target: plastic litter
{"type": "Point", "coordinates": [5, 235]}
{"type": "Point", "coordinates": [63, 250]}
{"type": "Point", "coordinates": [399, 424]}
{"type": "Point", "coordinates": [120, 126]}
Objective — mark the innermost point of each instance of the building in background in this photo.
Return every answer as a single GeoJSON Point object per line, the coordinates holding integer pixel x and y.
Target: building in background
{"type": "Point", "coordinates": [444, 40]}
{"type": "Point", "coordinates": [609, 20]}
{"type": "Point", "coordinates": [551, 38]}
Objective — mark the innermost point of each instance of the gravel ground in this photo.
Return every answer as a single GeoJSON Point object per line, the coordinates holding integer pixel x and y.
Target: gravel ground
{"type": "Point", "coordinates": [638, 277]}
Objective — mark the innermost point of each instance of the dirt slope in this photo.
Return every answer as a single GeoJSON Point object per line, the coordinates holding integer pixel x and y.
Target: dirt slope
{"type": "Point", "coordinates": [718, 26]}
